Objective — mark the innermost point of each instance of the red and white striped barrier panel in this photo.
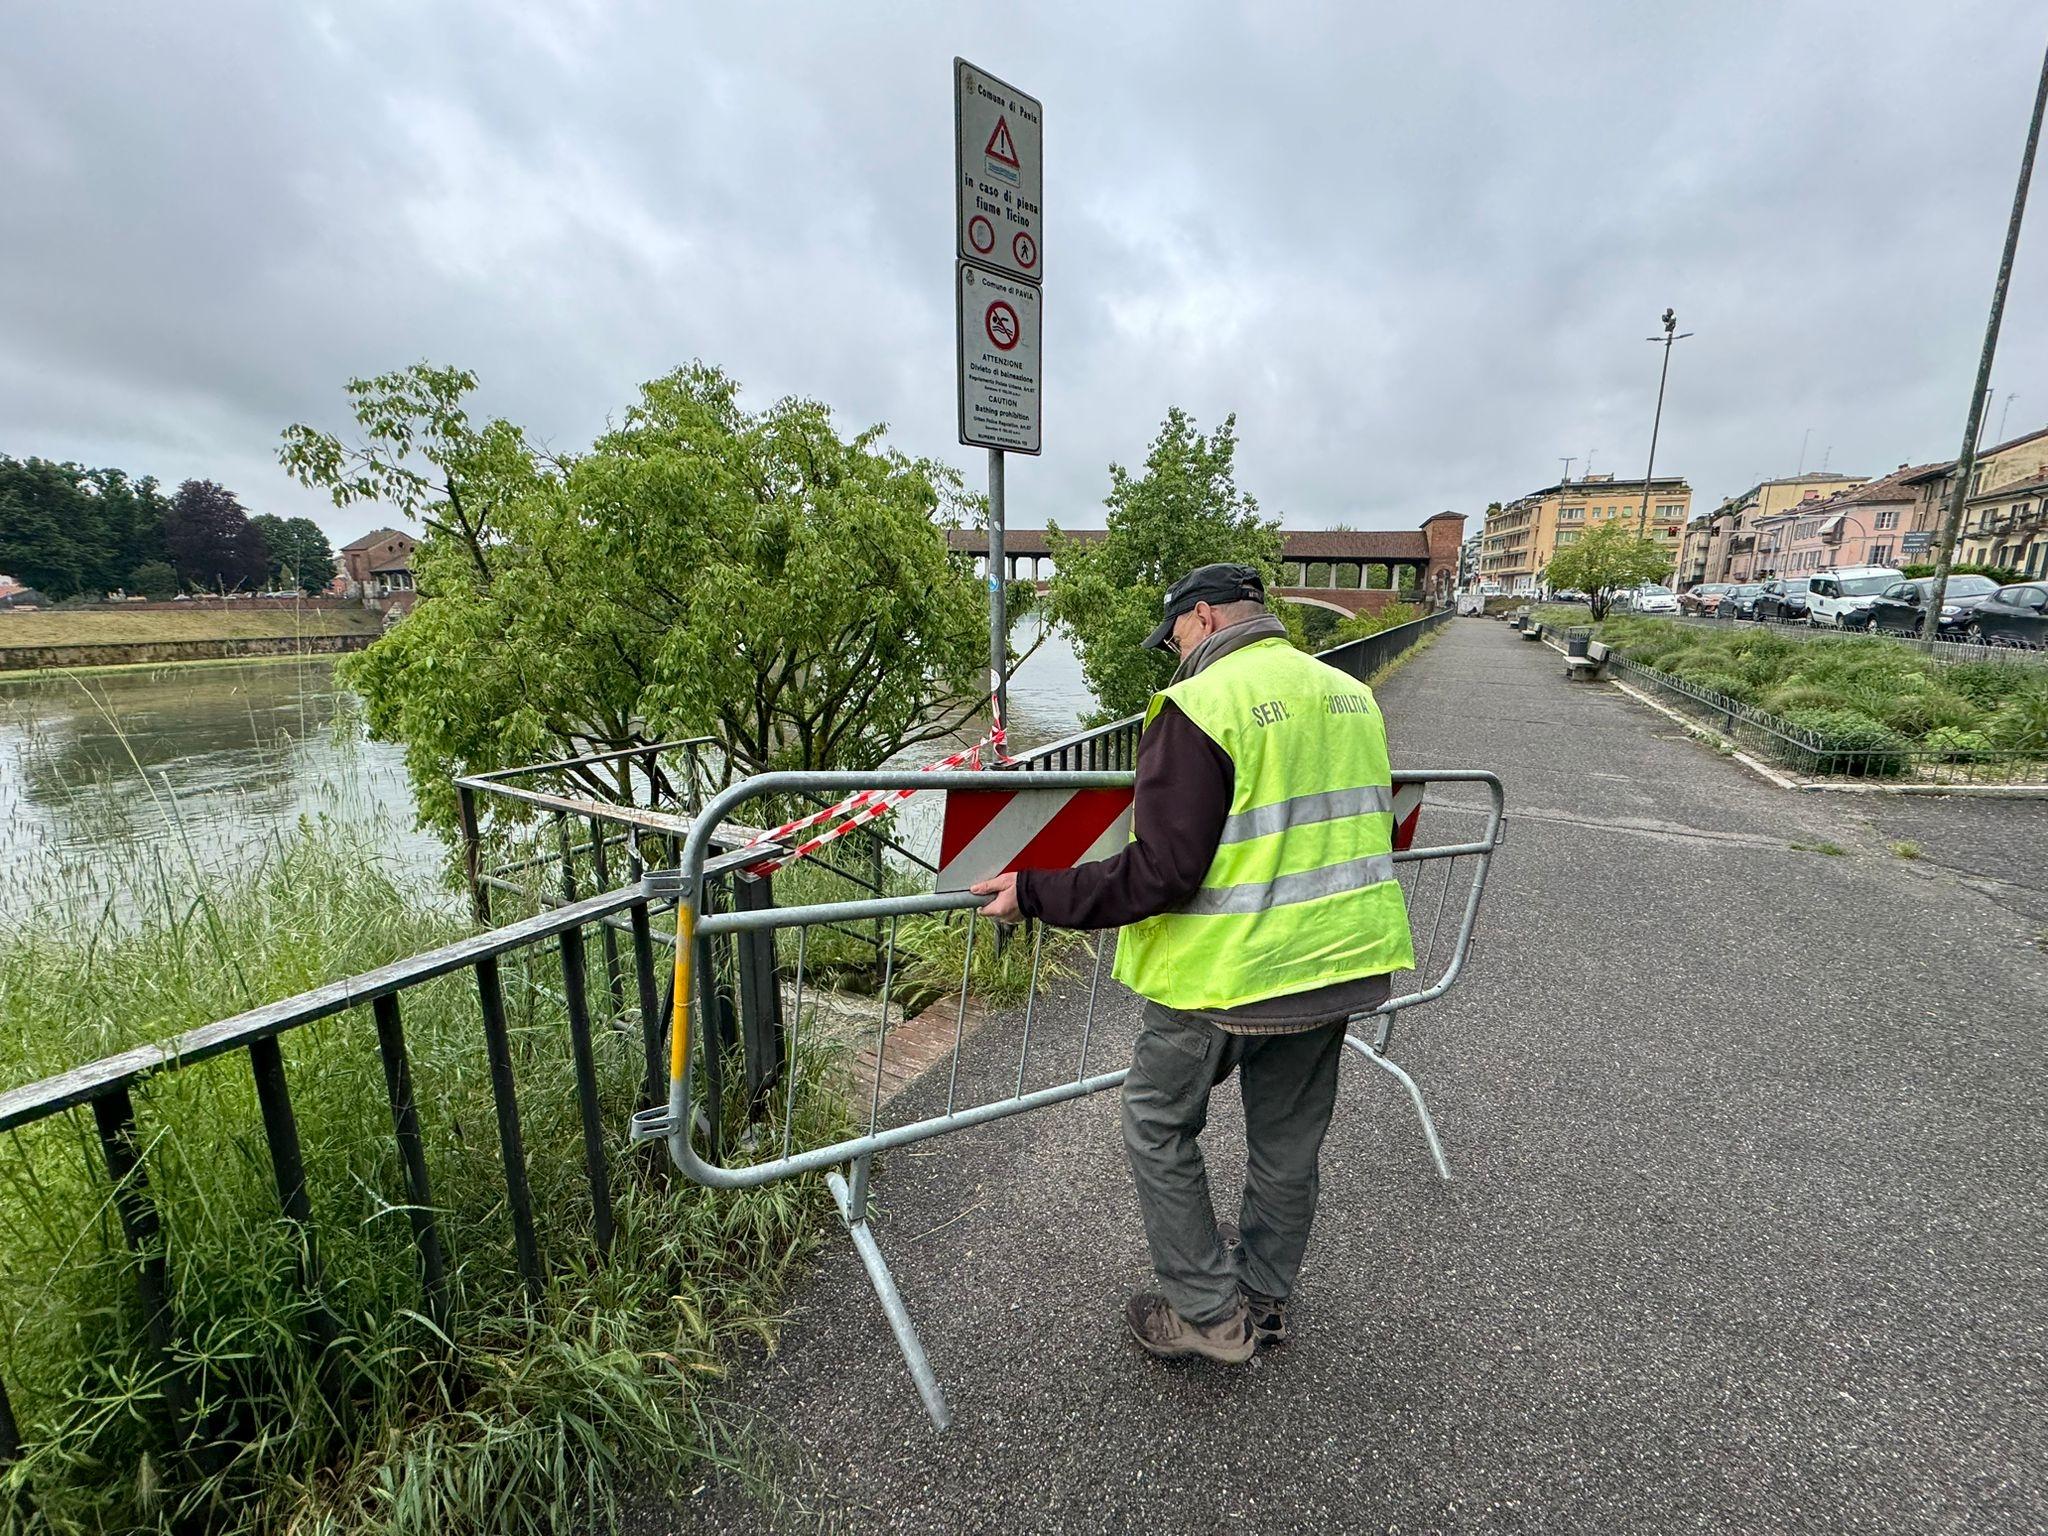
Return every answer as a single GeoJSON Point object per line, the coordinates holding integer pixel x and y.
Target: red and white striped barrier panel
{"type": "Point", "coordinates": [1407, 812]}
{"type": "Point", "coordinates": [989, 831]}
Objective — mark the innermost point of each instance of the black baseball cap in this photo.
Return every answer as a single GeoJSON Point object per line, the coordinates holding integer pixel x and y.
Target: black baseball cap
{"type": "Point", "coordinates": [1220, 583]}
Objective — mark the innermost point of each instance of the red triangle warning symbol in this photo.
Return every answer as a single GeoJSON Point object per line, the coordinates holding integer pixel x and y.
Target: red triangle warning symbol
{"type": "Point", "coordinates": [1000, 147]}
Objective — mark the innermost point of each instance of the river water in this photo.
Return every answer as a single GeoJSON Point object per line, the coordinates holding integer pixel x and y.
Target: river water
{"type": "Point", "coordinates": [162, 778]}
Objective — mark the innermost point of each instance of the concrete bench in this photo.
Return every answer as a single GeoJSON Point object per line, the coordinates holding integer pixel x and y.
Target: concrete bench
{"type": "Point", "coordinates": [1589, 667]}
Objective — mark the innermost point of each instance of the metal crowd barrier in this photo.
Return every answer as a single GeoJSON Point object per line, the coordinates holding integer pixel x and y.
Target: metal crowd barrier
{"type": "Point", "coordinates": [695, 1108]}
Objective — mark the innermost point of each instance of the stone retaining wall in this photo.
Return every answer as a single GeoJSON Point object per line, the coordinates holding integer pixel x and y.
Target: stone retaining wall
{"type": "Point", "coordinates": [36, 658]}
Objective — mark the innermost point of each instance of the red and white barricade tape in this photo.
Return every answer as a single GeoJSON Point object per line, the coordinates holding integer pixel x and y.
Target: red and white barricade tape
{"type": "Point", "coordinates": [872, 804]}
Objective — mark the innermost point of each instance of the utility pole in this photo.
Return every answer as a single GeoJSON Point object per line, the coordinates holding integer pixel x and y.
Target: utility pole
{"type": "Point", "coordinates": [1568, 462]}
{"type": "Point", "coordinates": [1670, 325]}
{"type": "Point", "coordinates": [1951, 522]}
{"type": "Point", "coordinates": [1805, 438]}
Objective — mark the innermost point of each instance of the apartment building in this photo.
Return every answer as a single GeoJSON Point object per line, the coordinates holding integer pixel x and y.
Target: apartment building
{"type": "Point", "coordinates": [1520, 538]}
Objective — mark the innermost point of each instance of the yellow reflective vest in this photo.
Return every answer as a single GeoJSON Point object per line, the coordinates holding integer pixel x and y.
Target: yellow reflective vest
{"type": "Point", "coordinates": [1301, 893]}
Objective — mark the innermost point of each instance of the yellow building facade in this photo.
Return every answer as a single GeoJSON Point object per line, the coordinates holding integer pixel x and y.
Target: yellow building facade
{"type": "Point", "coordinates": [1522, 536]}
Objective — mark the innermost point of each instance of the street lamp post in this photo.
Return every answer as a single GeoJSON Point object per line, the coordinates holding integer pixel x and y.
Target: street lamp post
{"type": "Point", "coordinates": [1670, 326]}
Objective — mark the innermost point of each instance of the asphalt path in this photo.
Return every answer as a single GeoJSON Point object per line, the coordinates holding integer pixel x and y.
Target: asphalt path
{"type": "Point", "coordinates": [1745, 1232]}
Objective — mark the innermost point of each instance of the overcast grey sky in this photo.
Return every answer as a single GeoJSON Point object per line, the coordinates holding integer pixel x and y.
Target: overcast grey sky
{"type": "Point", "coordinates": [1415, 248]}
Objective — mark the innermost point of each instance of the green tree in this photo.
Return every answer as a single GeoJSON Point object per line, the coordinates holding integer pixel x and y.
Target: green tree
{"type": "Point", "coordinates": [702, 570]}
{"type": "Point", "coordinates": [300, 555]}
{"type": "Point", "coordinates": [52, 536]}
{"type": "Point", "coordinates": [1606, 560]}
{"type": "Point", "coordinates": [152, 579]}
{"type": "Point", "coordinates": [1182, 511]}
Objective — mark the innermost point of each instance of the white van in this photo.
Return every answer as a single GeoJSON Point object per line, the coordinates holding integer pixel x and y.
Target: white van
{"type": "Point", "coordinates": [1841, 599]}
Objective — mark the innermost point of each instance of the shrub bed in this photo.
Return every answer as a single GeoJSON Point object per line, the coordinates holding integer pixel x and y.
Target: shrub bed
{"type": "Point", "coordinates": [1871, 706]}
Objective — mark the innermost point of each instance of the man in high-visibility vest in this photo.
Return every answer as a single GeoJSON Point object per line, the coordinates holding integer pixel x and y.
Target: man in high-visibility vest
{"type": "Point", "coordinates": [1259, 911]}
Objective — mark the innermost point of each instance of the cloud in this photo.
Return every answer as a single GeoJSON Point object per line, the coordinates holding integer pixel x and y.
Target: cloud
{"type": "Point", "coordinates": [1417, 252]}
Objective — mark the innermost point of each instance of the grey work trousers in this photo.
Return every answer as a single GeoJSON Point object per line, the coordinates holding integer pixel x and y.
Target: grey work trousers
{"type": "Point", "coordinates": [1289, 1083]}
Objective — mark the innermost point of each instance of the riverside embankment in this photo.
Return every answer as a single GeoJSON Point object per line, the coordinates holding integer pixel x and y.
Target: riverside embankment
{"type": "Point", "coordinates": [166, 632]}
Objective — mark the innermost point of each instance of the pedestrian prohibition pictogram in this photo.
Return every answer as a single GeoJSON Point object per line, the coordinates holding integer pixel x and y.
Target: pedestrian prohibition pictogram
{"type": "Point", "coordinates": [1001, 321]}
{"type": "Point", "coordinates": [982, 234]}
{"type": "Point", "coordinates": [999, 145]}
{"type": "Point", "coordinates": [1025, 249]}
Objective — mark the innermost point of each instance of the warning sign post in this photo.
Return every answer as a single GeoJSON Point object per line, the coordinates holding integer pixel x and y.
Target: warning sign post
{"type": "Point", "coordinates": [999, 172]}
{"type": "Point", "coordinates": [999, 364]}
{"type": "Point", "coordinates": [998, 236]}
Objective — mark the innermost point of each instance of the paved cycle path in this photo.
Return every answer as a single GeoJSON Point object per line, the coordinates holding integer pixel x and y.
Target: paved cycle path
{"type": "Point", "coordinates": [1746, 1231]}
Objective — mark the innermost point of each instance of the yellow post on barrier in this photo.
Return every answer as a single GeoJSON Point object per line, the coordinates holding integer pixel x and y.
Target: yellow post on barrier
{"type": "Point", "coordinates": [679, 1014]}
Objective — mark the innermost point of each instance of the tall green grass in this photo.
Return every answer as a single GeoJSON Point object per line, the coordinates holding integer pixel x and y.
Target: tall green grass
{"type": "Point", "coordinates": [521, 1416]}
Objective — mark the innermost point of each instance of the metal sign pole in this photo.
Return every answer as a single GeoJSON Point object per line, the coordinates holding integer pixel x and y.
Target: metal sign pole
{"type": "Point", "coordinates": [998, 595]}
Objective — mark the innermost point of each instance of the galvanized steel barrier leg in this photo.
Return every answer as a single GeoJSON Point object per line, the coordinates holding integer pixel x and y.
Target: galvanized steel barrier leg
{"type": "Point", "coordinates": [853, 1211]}
{"type": "Point", "coordinates": [1386, 1064]}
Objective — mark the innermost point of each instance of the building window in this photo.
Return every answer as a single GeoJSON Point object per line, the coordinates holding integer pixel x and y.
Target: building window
{"type": "Point", "coordinates": [1887, 520]}
{"type": "Point", "coordinates": [1568, 536]}
{"type": "Point", "coordinates": [1671, 509]}
{"type": "Point", "coordinates": [1570, 514]}
{"type": "Point", "coordinates": [1880, 554]}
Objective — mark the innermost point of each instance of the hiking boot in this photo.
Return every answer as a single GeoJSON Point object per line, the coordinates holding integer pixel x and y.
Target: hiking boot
{"type": "Point", "coordinates": [1269, 1313]}
{"type": "Point", "coordinates": [1165, 1333]}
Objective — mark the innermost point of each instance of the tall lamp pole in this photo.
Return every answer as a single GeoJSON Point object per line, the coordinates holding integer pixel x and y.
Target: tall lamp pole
{"type": "Point", "coordinates": [1670, 326]}
{"type": "Point", "coordinates": [1952, 517]}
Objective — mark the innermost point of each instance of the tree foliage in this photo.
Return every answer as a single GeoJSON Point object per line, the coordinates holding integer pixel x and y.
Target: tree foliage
{"type": "Point", "coordinates": [1606, 560]}
{"type": "Point", "coordinates": [701, 570]}
{"type": "Point", "coordinates": [297, 551]}
{"type": "Point", "coordinates": [153, 579]}
{"type": "Point", "coordinates": [1183, 510]}
{"type": "Point", "coordinates": [67, 530]}
{"type": "Point", "coordinates": [211, 541]}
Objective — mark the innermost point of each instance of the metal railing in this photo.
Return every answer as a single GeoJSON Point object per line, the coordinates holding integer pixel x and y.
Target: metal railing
{"type": "Point", "coordinates": [1429, 875]}
{"type": "Point", "coordinates": [108, 1089]}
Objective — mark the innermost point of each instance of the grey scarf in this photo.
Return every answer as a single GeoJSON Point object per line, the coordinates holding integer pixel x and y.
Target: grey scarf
{"type": "Point", "coordinates": [1214, 648]}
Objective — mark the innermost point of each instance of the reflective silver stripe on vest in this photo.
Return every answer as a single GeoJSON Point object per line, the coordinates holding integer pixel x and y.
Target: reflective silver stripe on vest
{"type": "Point", "coordinates": [1305, 810]}
{"type": "Point", "coordinates": [1286, 890]}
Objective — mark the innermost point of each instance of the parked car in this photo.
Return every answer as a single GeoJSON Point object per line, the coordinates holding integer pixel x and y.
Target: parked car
{"type": "Point", "coordinates": [1705, 598]}
{"type": "Point", "coordinates": [2015, 615]}
{"type": "Point", "coordinates": [1649, 598]}
{"type": "Point", "coordinates": [1739, 602]}
{"type": "Point", "coordinates": [1782, 601]}
{"type": "Point", "coordinates": [1841, 599]}
{"type": "Point", "coordinates": [1900, 608]}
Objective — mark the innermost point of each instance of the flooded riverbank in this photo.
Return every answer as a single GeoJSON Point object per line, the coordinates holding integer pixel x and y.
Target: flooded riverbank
{"type": "Point", "coordinates": [161, 779]}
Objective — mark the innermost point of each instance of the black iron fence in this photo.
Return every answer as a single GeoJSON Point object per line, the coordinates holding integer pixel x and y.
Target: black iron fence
{"type": "Point", "coordinates": [109, 1090]}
